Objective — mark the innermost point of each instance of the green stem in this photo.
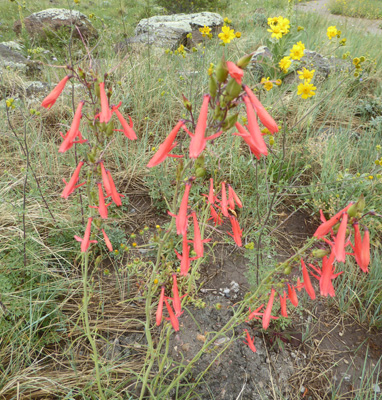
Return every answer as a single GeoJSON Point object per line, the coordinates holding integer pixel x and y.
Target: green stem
{"type": "Point", "coordinates": [85, 301]}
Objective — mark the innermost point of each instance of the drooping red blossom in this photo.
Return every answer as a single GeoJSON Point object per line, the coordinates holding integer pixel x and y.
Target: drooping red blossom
{"type": "Point", "coordinates": [326, 226]}
{"type": "Point", "coordinates": [176, 299]}
{"type": "Point", "coordinates": [184, 257]}
{"type": "Point", "coordinates": [211, 196]}
{"type": "Point", "coordinates": [198, 242]}
{"type": "Point", "coordinates": [218, 220]}
{"type": "Point", "coordinates": [55, 93]}
{"type": "Point", "coordinates": [105, 180]}
{"type": "Point", "coordinates": [105, 114]}
{"type": "Point", "coordinates": [102, 208]}
{"type": "Point", "coordinates": [255, 314]}
{"type": "Point", "coordinates": [72, 184]}
{"type": "Point", "coordinates": [159, 312]}
{"type": "Point", "coordinates": [73, 131]}
{"type": "Point", "coordinates": [307, 282]}
{"type": "Point", "coordinates": [114, 194]}
{"type": "Point", "coordinates": [237, 232]}
{"type": "Point", "coordinates": [263, 114]}
{"type": "Point", "coordinates": [361, 248]}
{"type": "Point", "coordinates": [107, 241]}
{"type": "Point", "coordinates": [250, 342]}
{"type": "Point", "coordinates": [79, 141]}
{"type": "Point", "coordinates": [283, 305]}
{"type": "Point", "coordinates": [326, 275]}
{"type": "Point", "coordinates": [292, 295]}
{"type": "Point", "coordinates": [224, 203]}
{"type": "Point", "coordinates": [181, 218]}
{"type": "Point", "coordinates": [85, 242]}
{"type": "Point", "coordinates": [247, 139]}
{"type": "Point", "coordinates": [235, 72]}
{"type": "Point", "coordinates": [253, 127]}
{"type": "Point", "coordinates": [268, 310]}
{"type": "Point", "coordinates": [166, 147]}
{"type": "Point", "coordinates": [173, 319]}
{"type": "Point", "coordinates": [339, 242]}
{"type": "Point", "coordinates": [127, 128]}
{"type": "Point", "coordinates": [198, 139]}
{"type": "Point", "coordinates": [233, 198]}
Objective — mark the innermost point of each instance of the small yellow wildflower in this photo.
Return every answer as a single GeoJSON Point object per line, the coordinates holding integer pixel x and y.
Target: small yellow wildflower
{"type": "Point", "coordinates": [343, 42]}
{"type": "Point", "coordinates": [285, 63]}
{"type": "Point", "coordinates": [227, 21]}
{"type": "Point", "coordinates": [271, 141]}
{"type": "Point", "coordinates": [356, 61]}
{"type": "Point", "coordinates": [155, 281]}
{"type": "Point", "coordinates": [265, 131]}
{"type": "Point", "coordinates": [278, 82]}
{"type": "Point", "coordinates": [205, 31]}
{"type": "Point", "coordinates": [238, 34]}
{"type": "Point", "coordinates": [300, 28]}
{"type": "Point", "coordinates": [306, 74]}
{"type": "Point", "coordinates": [267, 84]}
{"type": "Point", "coordinates": [189, 35]}
{"type": "Point", "coordinates": [211, 69]}
{"type": "Point", "coordinates": [306, 90]}
{"type": "Point", "coordinates": [378, 147]}
{"type": "Point", "coordinates": [297, 51]}
{"type": "Point", "coordinates": [332, 32]}
{"type": "Point", "coordinates": [370, 177]}
{"type": "Point", "coordinates": [134, 244]}
{"type": "Point", "coordinates": [227, 34]}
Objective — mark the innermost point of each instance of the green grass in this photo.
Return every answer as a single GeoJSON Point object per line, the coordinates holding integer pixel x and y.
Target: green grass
{"type": "Point", "coordinates": [309, 165]}
{"type": "Point", "coordinates": [357, 8]}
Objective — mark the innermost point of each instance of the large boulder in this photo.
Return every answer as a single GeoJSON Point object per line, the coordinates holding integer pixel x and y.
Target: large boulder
{"type": "Point", "coordinates": [57, 19]}
{"type": "Point", "coordinates": [170, 31]}
{"type": "Point", "coordinates": [13, 60]}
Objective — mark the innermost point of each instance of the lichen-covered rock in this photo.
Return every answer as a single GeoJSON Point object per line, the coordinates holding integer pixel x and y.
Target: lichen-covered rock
{"type": "Point", "coordinates": [13, 46]}
{"type": "Point", "coordinates": [170, 31]}
{"type": "Point", "coordinates": [258, 57]}
{"type": "Point", "coordinates": [12, 60]}
{"type": "Point", "coordinates": [56, 19]}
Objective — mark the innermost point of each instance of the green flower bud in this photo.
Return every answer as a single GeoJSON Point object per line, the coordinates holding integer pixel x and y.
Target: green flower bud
{"type": "Point", "coordinates": [361, 203]}
{"type": "Point", "coordinates": [233, 90]}
{"type": "Point", "coordinates": [222, 71]}
{"type": "Point", "coordinates": [230, 122]}
{"type": "Point", "coordinates": [319, 253]}
{"type": "Point", "coordinates": [213, 86]}
{"type": "Point", "coordinates": [244, 61]}
{"type": "Point", "coordinates": [200, 172]}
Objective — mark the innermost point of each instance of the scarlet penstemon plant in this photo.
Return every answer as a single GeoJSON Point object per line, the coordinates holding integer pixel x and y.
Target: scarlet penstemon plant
{"type": "Point", "coordinates": [98, 181]}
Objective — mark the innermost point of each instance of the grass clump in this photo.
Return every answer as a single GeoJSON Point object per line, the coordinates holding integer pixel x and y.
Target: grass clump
{"type": "Point", "coordinates": [370, 9]}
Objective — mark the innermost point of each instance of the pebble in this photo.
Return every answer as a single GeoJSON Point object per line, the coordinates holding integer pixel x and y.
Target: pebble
{"type": "Point", "coordinates": [376, 388]}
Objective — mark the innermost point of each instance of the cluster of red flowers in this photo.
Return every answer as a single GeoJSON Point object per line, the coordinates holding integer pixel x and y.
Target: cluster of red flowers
{"type": "Point", "coordinates": [337, 253]}
{"type": "Point", "coordinates": [74, 136]}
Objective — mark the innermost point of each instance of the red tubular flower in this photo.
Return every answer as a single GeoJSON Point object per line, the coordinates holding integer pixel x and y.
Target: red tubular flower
{"type": "Point", "coordinates": [185, 257]}
{"type": "Point", "coordinates": [85, 242]}
{"type": "Point", "coordinates": [181, 218]}
{"type": "Point", "coordinates": [173, 319]}
{"type": "Point", "coordinates": [233, 198]}
{"type": "Point", "coordinates": [215, 216]}
{"type": "Point", "coordinates": [292, 295]}
{"type": "Point", "coordinates": [247, 139]}
{"type": "Point", "coordinates": [70, 145]}
{"type": "Point", "coordinates": [53, 95]}
{"type": "Point", "coordinates": [224, 201]}
{"type": "Point", "coordinates": [283, 305]}
{"type": "Point", "coordinates": [159, 312]}
{"type": "Point", "coordinates": [255, 314]}
{"type": "Point", "coordinates": [176, 299]}
{"type": "Point", "coordinates": [250, 342]}
{"type": "Point", "coordinates": [105, 180]}
{"type": "Point", "coordinates": [114, 194]}
{"type": "Point", "coordinates": [73, 131]}
{"type": "Point", "coordinates": [339, 242]}
{"type": "Point", "coordinates": [105, 114]}
{"type": "Point", "coordinates": [307, 283]}
{"type": "Point", "coordinates": [72, 185]}
{"type": "Point", "coordinates": [166, 147]}
{"type": "Point", "coordinates": [211, 197]}
{"type": "Point", "coordinates": [198, 139]}
{"type": "Point", "coordinates": [127, 129]}
{"type": "Point", "coordinates": [102, 208]}
{"type": "Point", "coordinates": [237, 232]}
{"type": "Point", "coordinates": [107, 241]}
{"type": "Point", "coordinates": [198, 242]}
{"type": "Point", "coordinates": [263, 114]}
{"type": "Point", "coordinates": [268, 310]}
{"type": "Point", "coordinates": [325, 228]}
{"type": "Point", "coordinates": [253, 127]}
{"type": "Point", "coordinates": [235, 72]}
{"type": "Point", "coordinates": [361, 248]}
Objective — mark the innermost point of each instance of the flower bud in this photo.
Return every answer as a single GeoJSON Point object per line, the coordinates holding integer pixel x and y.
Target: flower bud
{"type": "Point", "coordinates": [287, 270]}
{"type": "Point", "coordinates": [361, 203]}
{"type": "Point", "coordinates": [199, 162]}
{"type": "Point", "coordinates": [109, 128]}
{"type": "Point", "coordinates": [200, 172]}
{"type": "Point", "coordinates": [213, 86]}
{"type": "Point", "coordinates": [222, 71]}
{"type": "Point", "coordinates": [187, 103]}
{"type": "Point", "coordinates": [233, 90]}
{"type": "Point", "coordinates": [352, 211]}
{"type": "Point", "coordinates": [230, 122]}
{"type": "Point", "coordinates": [244, 61]}
{"type": "Point", "coordinates": [179, 169]}
{"type": "Point", "coordinates": [320, 253]}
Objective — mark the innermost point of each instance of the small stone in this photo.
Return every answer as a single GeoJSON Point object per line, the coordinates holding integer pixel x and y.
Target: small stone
{"type": "Point", "coordinates": [376, 388]}
{"type": "Point", "coordinates": [302, 389]}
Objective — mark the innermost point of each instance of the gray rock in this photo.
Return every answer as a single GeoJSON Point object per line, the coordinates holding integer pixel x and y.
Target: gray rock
{"type": "Point", "coordinates": [55, 19]}
{"type": "Point", "coordinates": [13, 60]}
{"type": "Point", "coordinates": [14, 46]}
{"type": "Point", "coordinates": [170, 31]}
{"type": "Point", "coordinates": [258, 57]}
